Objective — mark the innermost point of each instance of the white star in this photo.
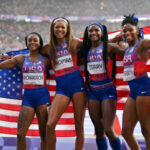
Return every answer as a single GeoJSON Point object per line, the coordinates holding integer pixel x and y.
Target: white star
{"type": "Point", "coordinates": [13, 89]}
{"type": "Point", "coordinates": [18, 79]}
{"type": "Point", "coordinates": [14, 82]}
{"type": "Point", "coordinates": [4, 88]}
{"type": "Point", "coordinates": [17, 94]}
{"type": "Point", "coordinates": [8, 93]}
{"type": "Point", "coordinates": [9, 85]}
{"type": "Point", "coordinates": [9, 78]}
{"type": "Point", "coordinates": [4, 81]}
{"type": "Point", "coordinates": [18, 86]}
{"type": "Point", "coordinates": [14, 75]}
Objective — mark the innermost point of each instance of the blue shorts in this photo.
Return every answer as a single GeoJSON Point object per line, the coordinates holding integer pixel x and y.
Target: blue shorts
{"type": "Point", "coordinates": [70, 84]}
{"type": "Point", "coordinates": [139, 87]}
{"type": "Point", "coordinates": [36, 97]}
{"type": "Point", "coordinates": [102, 90]}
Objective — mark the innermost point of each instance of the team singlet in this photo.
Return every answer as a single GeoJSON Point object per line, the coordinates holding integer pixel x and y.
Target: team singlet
{"type": "Point", "coordinates": [95, 65]}
{"type": "Point", "coordinates": [66, 63]}
{"type": "Point", "coordinates": [33, 73]}
{"type": "Point", "coordinates": [133, 66]}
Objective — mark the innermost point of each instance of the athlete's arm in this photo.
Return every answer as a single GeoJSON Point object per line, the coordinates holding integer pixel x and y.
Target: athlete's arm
{"type": "Point", "coordinates": [143, 48]}
{"type": "Point", "coordinates": [47, 62]}
{"type": "Point", "coordinates": [45, 50]}
{"type": "Point", "coordinates": [76, 44]}
{"type": "Point", "coordinates": [10, 63]}
{"type": "Point", "coordinates": [115, 48]}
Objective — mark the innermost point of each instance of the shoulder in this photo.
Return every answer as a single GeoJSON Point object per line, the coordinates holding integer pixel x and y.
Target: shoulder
{"type": "Point", "coordinates": [45, 50]}
{"type": "Point", "coordinates": [76, 43]}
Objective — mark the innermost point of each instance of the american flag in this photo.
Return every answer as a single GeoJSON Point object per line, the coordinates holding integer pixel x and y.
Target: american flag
{"type": "Point", "coordinates": [10, 98]}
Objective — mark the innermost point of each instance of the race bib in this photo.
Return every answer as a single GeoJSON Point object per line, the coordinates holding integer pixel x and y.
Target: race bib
{"type": "Point", "coordinates": [33, 78]}
{"type": "Point", "coordinates": [96, 67]}
{"type": "Point", "coordinates": [128, 73]}
{"type": "Point", "coordinates": [64, 62]}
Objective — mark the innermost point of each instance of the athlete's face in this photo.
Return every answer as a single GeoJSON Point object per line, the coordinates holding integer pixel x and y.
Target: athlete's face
{"type": "Point", "coordinates": [33, 42]}
{"type": "Point", "coordinates": [94, 33]}
{"type": "Point", "coordinates": [60, 29]}
{"type": "Point", "coordinates": [130, 33]}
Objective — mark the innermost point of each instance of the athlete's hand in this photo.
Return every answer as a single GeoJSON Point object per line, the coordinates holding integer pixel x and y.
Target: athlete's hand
{"type": "Point", "coordinates": [4, 56]}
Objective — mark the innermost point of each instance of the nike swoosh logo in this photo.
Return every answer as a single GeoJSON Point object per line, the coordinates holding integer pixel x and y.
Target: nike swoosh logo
{"type": "Point", "coordinates": [143, 92]}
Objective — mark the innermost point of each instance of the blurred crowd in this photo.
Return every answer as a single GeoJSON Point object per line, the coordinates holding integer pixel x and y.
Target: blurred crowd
{"type": "Point", "coordinates": [12, 32]}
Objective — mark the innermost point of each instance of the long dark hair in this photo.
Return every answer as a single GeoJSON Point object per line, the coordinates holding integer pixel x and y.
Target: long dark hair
{"type": "Point", "coordinates": [86, 47]}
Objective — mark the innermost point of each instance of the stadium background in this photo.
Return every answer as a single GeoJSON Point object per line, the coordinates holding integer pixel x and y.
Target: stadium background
{"type": "Point", "coordinates": [20, 17]}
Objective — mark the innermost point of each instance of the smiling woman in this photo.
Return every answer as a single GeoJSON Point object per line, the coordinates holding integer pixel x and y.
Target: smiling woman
{"type": "Point", "coordinates": [36, 96]}
{"type": "Point", "coordinates": [98, 55]}
{"type": "Point", "coordinates": [62, 49]}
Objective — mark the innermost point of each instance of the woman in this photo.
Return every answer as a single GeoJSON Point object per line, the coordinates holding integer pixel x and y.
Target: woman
{"type": "Point", "coordinates": [36, 96]}
{"type": "Point", "coordinates": [99, 57]}
{"type": "Point", "coordinates": [138, 103]}
{"type": "Point", "coordinates": [62, 49]}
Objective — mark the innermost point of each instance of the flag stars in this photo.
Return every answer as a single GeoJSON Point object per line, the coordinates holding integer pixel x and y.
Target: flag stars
{"type": "Point", "coordinates": [9, 85]}
{"type": "Point", "coordinates": [18, 94]}
{"type": "Point", "coordinates": [9, 71]}
{"type": "Point", "coordinates": [13, 89]}
{"type": "Point", "coordinates": [18, 79]}
{"type": "Point", "coordinates": [4, 81]}
{"type": "Point", "coordinates": [4, 74]}
{"type": "Point", "coordinates": [8, 93]}
{"type": "Point", "coordinates": [4, 88]}
{"type": "Point", "coordinates": [13, 82]}
{"type": "Point", "coordinates": [14, 75]}
{"type": "Point", "coordinates": [18, 86]}
{"type": "Point", "coordinates": [9, 78]}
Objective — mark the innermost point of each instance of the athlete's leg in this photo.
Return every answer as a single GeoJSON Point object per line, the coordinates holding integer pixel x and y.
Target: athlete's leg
{"type": "Point", "coordinates": [79, 105]}
{"type": "Point", "coordinates": [95, 112]}
{"type": "Point", "coordinates": [42, 116]}
{"type": "Point", "coordinates": [26, 117]}
{"type": "Point", "coordinates": [108, 118]}
{"type": "Point", "coordinates": [143, 112]}
{"type": "Point", "coordinates": [129, 122]}
{"type": "Point", "coordinates": [57, 108]}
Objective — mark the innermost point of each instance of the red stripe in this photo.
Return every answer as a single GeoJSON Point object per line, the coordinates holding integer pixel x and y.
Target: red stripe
{"type": "Point", "coordinates": [10, 107]}
{"type": "Point", "coordinates": [35, 121]}
{"type": "Point", "coordinates": [59, 133]}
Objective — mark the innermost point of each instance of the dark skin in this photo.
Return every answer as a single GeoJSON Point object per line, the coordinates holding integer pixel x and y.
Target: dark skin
{"type": "Point", "coordinates": [136, 110]}
{"type": "Point", "coordinates": [61, 102]}
{"type": "Point", "coordinates": [102, 113]}
{"type": "Point", "coordinates": [26, 114]}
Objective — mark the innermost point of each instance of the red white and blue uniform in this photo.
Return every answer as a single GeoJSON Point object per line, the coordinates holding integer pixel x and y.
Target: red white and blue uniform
{"type": "Point", "coordinates": [34, 83]}
{"type": "Point", "coordinates": [101, 85]}
{"type": "Point", "coordinates": [68, 78]}
{"type": "Point", "coordinates": [134, 73]}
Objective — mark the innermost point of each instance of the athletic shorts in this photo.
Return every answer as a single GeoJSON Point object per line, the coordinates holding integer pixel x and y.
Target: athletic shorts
{"type": "Point", "coordinates": [36, 97]}
{"type": "Point", "coordinates": [70, 84]}
{"type": "Point", "coordinates": [139, 87]}
{"type": "Point", "coordinates": [102, 90]}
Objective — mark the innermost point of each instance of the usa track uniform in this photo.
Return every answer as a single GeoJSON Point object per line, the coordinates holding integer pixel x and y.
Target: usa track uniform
{"type": "Point", "coordinates": [134, 73]}
{"type": "Point", "coordinates": [67, 72]}
{"type": "Point", "coordinates": [101, 85]}
{"type": "Point", "coordinates": [34, 83]}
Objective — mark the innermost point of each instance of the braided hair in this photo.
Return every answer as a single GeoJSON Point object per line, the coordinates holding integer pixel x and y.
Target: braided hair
{"type": "Point", "coordinates": [133, 20]}
{"type": "Point", "coordinates": [87, 45]}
